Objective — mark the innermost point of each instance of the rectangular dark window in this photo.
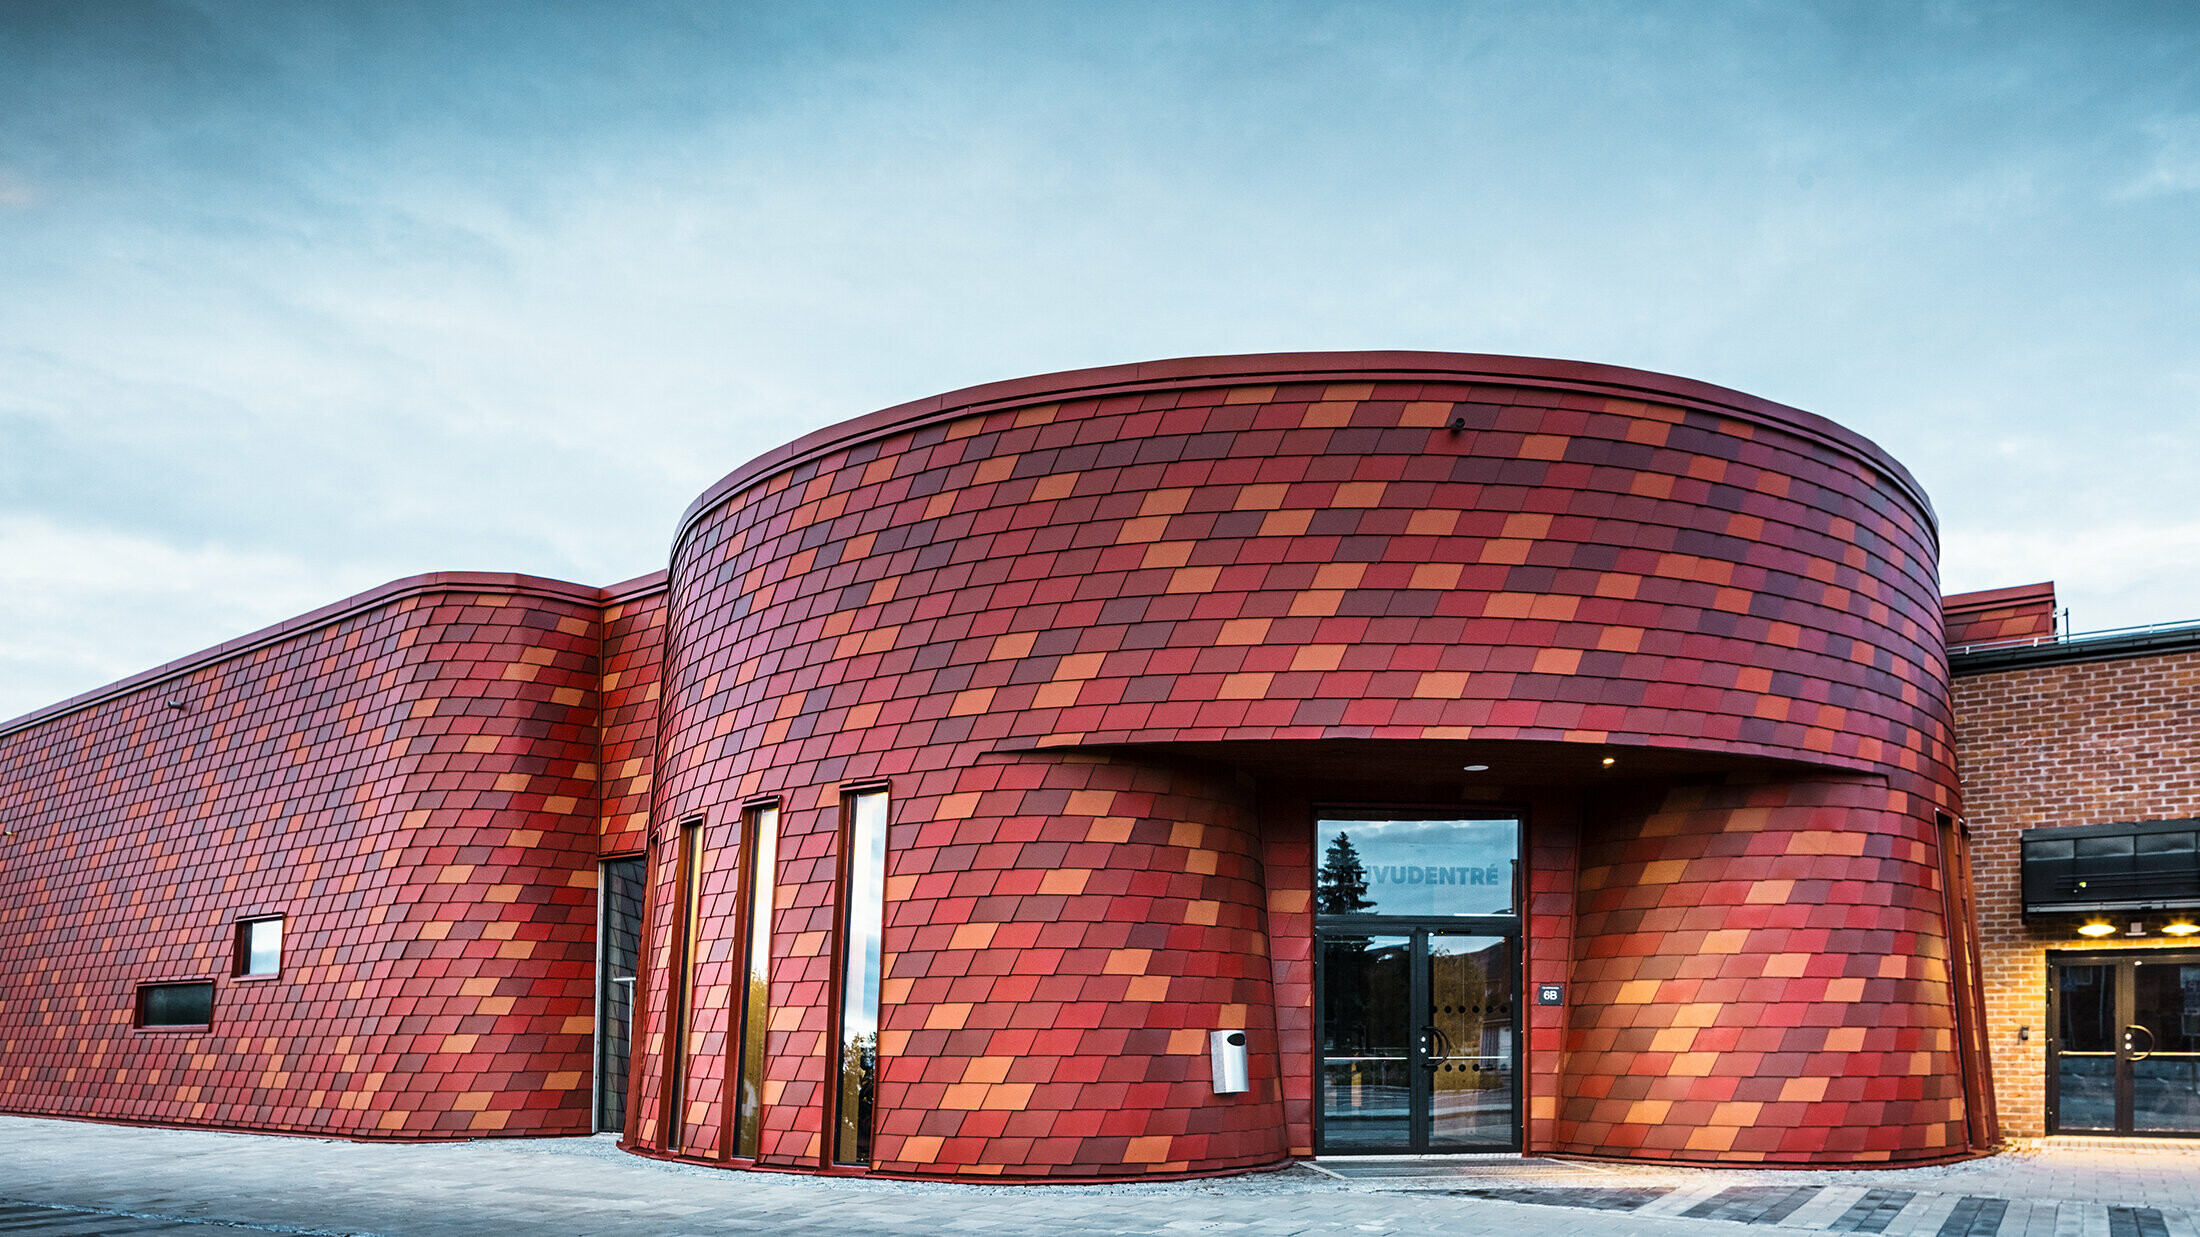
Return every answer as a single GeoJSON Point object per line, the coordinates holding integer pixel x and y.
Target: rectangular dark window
{"type": "Point", "coordinates": [176, 1005]}
{"type": "Point", "coordinates": [260, 947]}
{"type": "Point", "coordinates": [763, 840]}
{"type": "Point", "coordinates": [863, 914]}
{"type": "Point", "coordinates": [2132, 865]}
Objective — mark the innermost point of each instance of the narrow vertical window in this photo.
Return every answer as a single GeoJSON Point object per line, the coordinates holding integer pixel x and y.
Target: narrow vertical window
{"type": "Point", "coordinates": [763, 849]}
{"type": "Point", "coordinates": [619, 958]}
{"type": "Point", "coordinates": [863, 916]}
{"type": "Point", "coordinates": [689, 894]}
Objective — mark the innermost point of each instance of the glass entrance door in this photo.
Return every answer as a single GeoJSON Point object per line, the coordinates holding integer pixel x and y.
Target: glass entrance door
{"type": "Point", "coordinates": [618, 956]}
{"type": "Point", "coordinates": [1418, 1043]}
{"type": "Point", "coordinates": [1467, 1041]}
{"type": "Point", "coordinates": [2123, 1054]}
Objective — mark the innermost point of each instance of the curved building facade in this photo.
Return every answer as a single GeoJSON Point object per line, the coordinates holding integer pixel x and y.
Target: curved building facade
{"type": "Point", "coordinates": [1112, 644]}
{"type": "Point", "coordinates": [1190, 767]}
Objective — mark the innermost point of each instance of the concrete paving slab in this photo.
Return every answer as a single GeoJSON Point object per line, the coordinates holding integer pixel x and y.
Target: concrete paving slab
{"type": "Point", "coordinates": [1832, 1203]}
{"type": "Point", "coordinates": [165, 1181]}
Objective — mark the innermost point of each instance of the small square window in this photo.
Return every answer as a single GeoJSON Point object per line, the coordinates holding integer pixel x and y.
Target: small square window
{"type": "Point", "coordinates": [176, 1005]}
{"type": "Point", "coordinates": [260, 947]}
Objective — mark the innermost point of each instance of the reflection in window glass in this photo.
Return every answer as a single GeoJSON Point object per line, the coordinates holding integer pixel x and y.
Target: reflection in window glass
{"type": "Point", "coordinates": [2088, 1010]}
{"type": "Point", "coordinates": [755, 1008]}
{"type": "Point", "coordinates": [176, 1005]}
{"type": "Point", "coordinates": [2165, 1072]}
{"type": "Point", "coordinates": [864, 917]}
{"type": "Point", "coordinates": [2086, 1063]}
{"type": "Point", "coordinates": [1367, 1054]}
{"type": "Point", "coordinates": [260, 947]}
{"type": "Point", "coordinates": [683, 1017]}
{"type": "Point", "coordinates": [620, 932]}
{"type": "Point", "coordinates": [1375, 865]}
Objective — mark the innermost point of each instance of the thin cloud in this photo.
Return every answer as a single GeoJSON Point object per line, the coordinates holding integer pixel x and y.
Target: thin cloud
{"type": "Point", "coordinates": [2176, 163]}
{"type": "Point", "coordinates": [362, 290]}
{"type": "Point", "coordinates": [86, 606]}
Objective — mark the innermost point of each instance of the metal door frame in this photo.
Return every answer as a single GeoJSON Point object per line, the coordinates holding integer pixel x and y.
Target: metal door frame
{"type": "Point", "coordinates": [2122, 964]}
{"type": "Point", "coordinates": [1419, 1103]}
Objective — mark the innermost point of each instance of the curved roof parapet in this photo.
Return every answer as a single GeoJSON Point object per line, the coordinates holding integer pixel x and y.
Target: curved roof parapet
{"type": "Point", "coordinates": [1280, 367]}
{"type": "Point", "coordinates": [336, 611]}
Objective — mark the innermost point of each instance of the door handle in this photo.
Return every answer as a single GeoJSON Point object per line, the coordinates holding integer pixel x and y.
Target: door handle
{"type": "Point", "coordinates": [1435, 1046]}
{"type": "Point", "coordinates": [2149, 1051]}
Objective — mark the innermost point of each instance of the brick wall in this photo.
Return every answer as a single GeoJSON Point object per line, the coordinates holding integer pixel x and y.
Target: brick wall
{"type": "Point", "coordinates": [2077, 744]}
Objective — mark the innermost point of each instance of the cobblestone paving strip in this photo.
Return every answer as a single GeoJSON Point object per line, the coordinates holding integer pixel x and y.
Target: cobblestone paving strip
{"type": "Point", "coordinates": [1975, 1217]}
{"type": "Point", "coordinates": [1873, 1212]}
{"type": "Point", "coordinates": [1924, 1216]}
{"type": "Point", "coordinates": [1753, 1204]}
{"type": "Point", "coordinates": [1595, 1199]}
{"type": "Point", "coordinates": [2136, 1222]}
{"type": "Point", "coordinates": [1832, 1203]}
{"type": "Point", "coordinates": [128, 1182]}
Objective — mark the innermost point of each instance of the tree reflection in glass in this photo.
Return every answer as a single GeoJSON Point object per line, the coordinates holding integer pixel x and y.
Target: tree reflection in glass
{"type": "Point", "coordinates": [755, 1011]}
{"type": "Point", "coordinates": [864, 920]}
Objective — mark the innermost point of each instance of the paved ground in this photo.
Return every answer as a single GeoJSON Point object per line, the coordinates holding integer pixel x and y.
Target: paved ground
{"type": "Point", "coordinates": [71, 1178]}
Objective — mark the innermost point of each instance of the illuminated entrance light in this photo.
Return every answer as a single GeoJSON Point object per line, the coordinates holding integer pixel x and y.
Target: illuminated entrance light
{"type": "Point", "coordinates": [1477, 768]}
{"type": "Point", "coordinates": [2181, 928]}
{"type": "Point", "coordinates": [2097, 929]}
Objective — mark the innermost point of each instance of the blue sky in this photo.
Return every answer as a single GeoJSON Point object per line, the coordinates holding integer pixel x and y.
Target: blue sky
{"type": "Point", "coordinates": [296, 298]}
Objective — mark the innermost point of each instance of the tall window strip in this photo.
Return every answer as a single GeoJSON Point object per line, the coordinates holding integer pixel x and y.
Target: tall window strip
{"type": "Point", "coordinates": [763, 839]}
{"type": "Point", "coordinates": [863, 914]}
{"type": "Point", "coordinates": [620, 900]}
{"type": "Point", "coordinates": [689, 894]}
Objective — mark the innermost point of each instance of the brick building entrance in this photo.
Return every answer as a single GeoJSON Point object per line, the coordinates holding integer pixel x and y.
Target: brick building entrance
{"type": "Point", "coordinates": [2099, 736]}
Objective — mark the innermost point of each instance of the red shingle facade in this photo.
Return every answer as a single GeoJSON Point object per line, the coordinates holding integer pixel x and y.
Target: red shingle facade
{"type": "Point", "coordinates": [409, 780]}
{"type": "Point", "coordinates": [2002, 616]}
{"type": "Point", "coordinates": [1108, 642]}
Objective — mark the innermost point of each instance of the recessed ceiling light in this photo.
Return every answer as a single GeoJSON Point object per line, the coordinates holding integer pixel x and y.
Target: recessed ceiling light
{"type": "Point", "coordinates": [1478, 768]}
{"type": "Point", "coordinates": [1608, 761]}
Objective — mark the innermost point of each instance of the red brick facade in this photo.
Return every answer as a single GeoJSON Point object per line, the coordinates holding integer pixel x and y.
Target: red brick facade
{"type": "Point", "coordinates": [2080, 743]}
{"type": "Point", "coordinates": [1108, 641]}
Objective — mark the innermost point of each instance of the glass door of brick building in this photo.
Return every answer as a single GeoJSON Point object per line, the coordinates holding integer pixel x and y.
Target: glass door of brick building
{"type": "Point", "coordinates": [2123, 1050]}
